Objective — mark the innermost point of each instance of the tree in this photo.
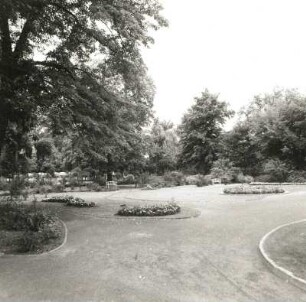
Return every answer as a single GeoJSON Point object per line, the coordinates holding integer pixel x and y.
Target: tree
{"type": "Point", "coordinates": [162, 147]}
{"type": "Point", "coordinates": [200, 132]}
{"type": "Point", "coordinates": [271, 137]}
{"type": "Point", "coordinates": [240, 147]}
{"type": "Point", "coordinates": [76, 66]}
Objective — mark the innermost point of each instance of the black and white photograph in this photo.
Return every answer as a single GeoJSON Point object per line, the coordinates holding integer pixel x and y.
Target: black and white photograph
{"type": "Point", "coordinates": [152, 151]}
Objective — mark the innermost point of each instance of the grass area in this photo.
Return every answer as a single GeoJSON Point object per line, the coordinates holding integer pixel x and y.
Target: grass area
{"type": "Point", "coordinates": [253, 190]}
{"type": "Point", "coordinates": [28, 229]}
{"type": "Point", "coordinates": [155, 210]}
{"type": "Point", "coordinates": [287, 248]}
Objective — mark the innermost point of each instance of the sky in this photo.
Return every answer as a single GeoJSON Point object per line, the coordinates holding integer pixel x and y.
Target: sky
{"type": "Point", "coordinates": [234, 48]}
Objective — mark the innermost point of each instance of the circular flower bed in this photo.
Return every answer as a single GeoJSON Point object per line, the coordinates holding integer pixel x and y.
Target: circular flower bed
{"type": "Point", "coordinates": [253, 190]}
{"type": "Point", "coordinates": [155, 210]}
{"type": "Point", "coordinates": [70, 201]}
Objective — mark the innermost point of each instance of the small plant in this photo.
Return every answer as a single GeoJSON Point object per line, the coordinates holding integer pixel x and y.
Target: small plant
{"type": "Point", "coordinates": [253, 190]}
{"type": "Point", "coordinates": [155, 210]}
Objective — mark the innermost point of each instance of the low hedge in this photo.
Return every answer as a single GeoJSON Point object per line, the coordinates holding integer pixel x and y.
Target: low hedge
{"type": "Point", "coordinates": [155, 210]}
{"type": "Point", "coordinates": [70, 201]}
{"type": "Point", "coordinates": [253, 190]}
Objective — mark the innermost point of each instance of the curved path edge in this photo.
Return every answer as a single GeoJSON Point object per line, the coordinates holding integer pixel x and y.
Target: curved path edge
{"type": "Point", "coordinates": [277, 269]}
{"type": "Point", "coordinates": [44, 253]}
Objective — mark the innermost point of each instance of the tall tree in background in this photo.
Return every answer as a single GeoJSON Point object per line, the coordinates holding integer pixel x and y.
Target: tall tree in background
{"type": "Point", "coordinates": [162, 147]}
{"type": "Point", "coordinates": [200, 132]}
{"type": "Point", "coordinates": [272, 131]}
{"type": "Point", "coordinates": [77, 66]}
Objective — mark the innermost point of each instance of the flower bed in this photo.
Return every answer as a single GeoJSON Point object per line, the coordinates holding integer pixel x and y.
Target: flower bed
{"type": "Point", "coordinates": [70, 201]}
{"type": "Point", "coordinates": [253, 190]}
{"type": "Point", "coordinates": [28, 229]}
{"type": "Point", "coordinates": [155, 210]}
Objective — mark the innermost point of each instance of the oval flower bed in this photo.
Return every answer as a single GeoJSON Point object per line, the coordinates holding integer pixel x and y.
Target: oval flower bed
{"type": "Point", "coordinates": [253, 190]}
{"type": "Point", "coordinates": [155, 210]}
{"type": "Point", "coordinates": [70, 201]}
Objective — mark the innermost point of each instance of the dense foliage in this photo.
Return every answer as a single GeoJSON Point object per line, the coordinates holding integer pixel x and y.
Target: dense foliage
{"type": "Point", "coordinates": [162, 144]}
{"type": "Point", "coordinates": [200, 132]}
{"type": "Point", "coordinates": [74, 67]}
{"type": "Point", "coordinates": [270, 139]}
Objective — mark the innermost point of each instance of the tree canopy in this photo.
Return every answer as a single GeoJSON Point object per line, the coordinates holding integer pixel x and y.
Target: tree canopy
{"type": "Point", "coordinates": [75, 67]}
{"type": "Point", "coordinates": [200, 132]}
{"type": "Point", "coordinates": [273, 127]}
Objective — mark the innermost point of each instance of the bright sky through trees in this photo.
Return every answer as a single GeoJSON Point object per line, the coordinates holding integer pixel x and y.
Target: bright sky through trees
{"type": "Point", "coordinates": [237, 48]}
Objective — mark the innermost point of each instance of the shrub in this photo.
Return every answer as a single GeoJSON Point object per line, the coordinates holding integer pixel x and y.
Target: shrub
{"type": "Point", "coordinates": [244, 178]}
{"type": "Point", "coordinates": [100, 179]}
{"type": "Point", "coordinates": [23, 218]}
{"type": "Point", "coordinates": [58, 188]}
{"type": "Point", "coordinates": [17, 187]}
{"type": "Point", "coordinates": [4, 186]}
{"type": "Point", "coordinates": [276, 169]}
{"type": "Point", "coordinates": [204, 180]}
{"type": "Point", "coordinates": [59, 199]}
{"type": "Point", "coordinates": [143, 179]}
{"type": "Point", "coordinates": [128, 180]}
{"type": "Point", "coordinates": [156, 181]}
{"type": "Point", "coordinates": [95, 187]}
{"type": "Point", "coordinates": [297, 176]}
{"type": "Point", "coordinates": [253, 190]}
{"type": "Point", "coordinates": [70, 201]}
{"type": "Point", "coordinates": [155, 210]}
{"type": "Point", "coordinates": [192, 179]}
{"type": "Point", "coordinates": [43, 189]}
{"type": "Point", "coordinates": [80, 203]}
{"type": "Point", "coordinates": [38, 225]}
{"type": "Point", "coordinates": [175, 178]}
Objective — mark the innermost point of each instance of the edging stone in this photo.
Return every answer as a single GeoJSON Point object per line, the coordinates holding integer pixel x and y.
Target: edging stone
{"type": "Point", "coordinates": [277, 269]}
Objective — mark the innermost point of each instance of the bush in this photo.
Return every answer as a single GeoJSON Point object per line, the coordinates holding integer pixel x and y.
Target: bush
{"type": "Point", "coordinates": [17, 187]}
{"type": "Point", "coordinates": [70, 201]}
{"type": "Point", "coordinates": [156, 181]}
{"type": "Point", "coordinates": [244, 178]}
{"type": "Point", "coordinates": [95, 187]}
{"type": "Point", "coordinates": [43, 189]}
{"type": "Point", "coordinates": [58, 188]}
{"type": "Point", "coordinates": [253, 190]}
{"type": "Point", "coordinates": [4, 186]}
{"type": "Point", "coordinates": [80, 203]}
{"type": "Point", "coordinates": [23, 218]}
{"type": "Point", "coordinates": [204, 180]}
{"type": "Point", "coordinates": [155, 210]}
{"type": "Point", "coordinates": [142, 180]}
{"type": "Point", "coordinates": [192, 179]}
{"type": "Point", "coordinates": [276, 170]}
{"type": "Point", "coordinates": [175, 178]}
{"type": "Point", "coordinates": [128, 180]}
{"type": "Point", "coordinates": [100, 180]}
{"type": "Point", "coordinates": [297, 176]}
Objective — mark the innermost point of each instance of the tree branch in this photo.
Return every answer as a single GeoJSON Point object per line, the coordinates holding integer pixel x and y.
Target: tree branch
{"type": "Point", "coordinates": [55, 65]}
{"type": "Point", "coordinates": [6, 42]}
{"type": "Point", "coordinates": [21, 43]}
